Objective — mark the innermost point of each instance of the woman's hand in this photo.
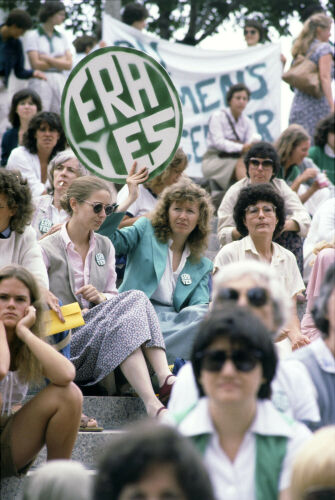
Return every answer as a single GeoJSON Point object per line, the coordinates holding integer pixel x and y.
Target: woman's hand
{"type": "Point", "coordinates": [53, 303]}
{"type": "Point", "coordinates": [135, 178]}
{"type": "Point", "coordinates": [309, 173]}
{"type": "Point", "coordinates": [299, 340]}
{"type": "Point", "coordinates": [52, 230]}
{"type": "Point", "coordinates": [91, 294]}
{"type": "Point", "coordinates": [27, 321]}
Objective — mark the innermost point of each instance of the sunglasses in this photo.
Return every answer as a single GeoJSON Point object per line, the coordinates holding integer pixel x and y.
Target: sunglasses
{"type": "Point", "coordinates": [250, 32]}
{"type": "Point", "coordinates": [244, 360]}
{"type": "Point", "coordinates": [98, 207]}
{"type": "Point", "coordinates": [266, 164]}
{"type": "Point", "coordinates": [257, 296]}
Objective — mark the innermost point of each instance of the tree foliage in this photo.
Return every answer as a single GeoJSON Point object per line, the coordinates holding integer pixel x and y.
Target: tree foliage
{"type": "Point", "coordinates": [198, 18]}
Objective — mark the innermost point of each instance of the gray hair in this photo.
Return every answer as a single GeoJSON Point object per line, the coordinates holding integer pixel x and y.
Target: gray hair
{"type": "Point", "coordinates": [57, 479]}
{"type": "Point", "coordinates": [266, 276]}
{"type": "Point", "coordinates": [62, 157]}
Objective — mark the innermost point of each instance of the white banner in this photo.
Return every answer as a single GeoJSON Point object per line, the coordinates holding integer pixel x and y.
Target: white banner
{"type": "Point", "coordinates": [203, 77]}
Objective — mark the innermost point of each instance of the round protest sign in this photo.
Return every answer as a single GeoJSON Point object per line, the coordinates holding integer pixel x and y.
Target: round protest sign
{"type": "Point", "coordinates": [120, 105]}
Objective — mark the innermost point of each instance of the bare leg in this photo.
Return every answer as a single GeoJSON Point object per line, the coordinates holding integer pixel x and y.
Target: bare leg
{"type": "Point", "coordinates": [52, 418]}
{"type": "Point", "coordinates": [157, 358]}
{"type": "Point", "coordinates": [240, 170]}
{"type": "Point", "coordinates": [136, 372]}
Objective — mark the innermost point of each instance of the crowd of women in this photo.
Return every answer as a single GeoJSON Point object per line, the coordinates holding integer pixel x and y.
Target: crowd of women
{"type": "Point", "coordinates": [255, 381]}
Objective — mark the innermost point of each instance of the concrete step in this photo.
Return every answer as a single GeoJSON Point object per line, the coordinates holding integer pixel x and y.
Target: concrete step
{"type": "Point", "coordinates": [112, 412]}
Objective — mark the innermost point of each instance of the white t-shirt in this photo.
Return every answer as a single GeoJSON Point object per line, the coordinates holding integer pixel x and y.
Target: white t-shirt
{"type": "Point", "coordinates": [145, 202]}
{"type": "Point", "coordinates": [37, 40]}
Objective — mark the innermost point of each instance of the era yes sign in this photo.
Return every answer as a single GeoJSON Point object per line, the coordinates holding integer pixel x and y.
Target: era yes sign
{"type": "Point", "coordinates": [120, 105]}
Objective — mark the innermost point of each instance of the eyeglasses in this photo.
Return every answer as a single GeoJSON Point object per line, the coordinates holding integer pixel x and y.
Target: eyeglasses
{"type": "Point", "coordinates": [253, 210]}
{"type": "Point", "coordinates": [250, 32]}
{"type": "Point", "coordinates": [257, 296]}
{"type": "Point", "coordinates": [244, 360]}
{"type": "Point", "coordinates": [266, 164]}
{"type": "Point", "coordinates": [97, 207]}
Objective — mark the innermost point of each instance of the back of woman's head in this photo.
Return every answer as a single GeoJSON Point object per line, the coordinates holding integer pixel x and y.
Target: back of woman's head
{"type": "Point", "coordinates": [241, 328]}
{"type": "Point", "coordinates": [18, 197]}
{"type": "Point", "coordinates": [323, 128]}
{"type": "Point", "coordinates": [20, 96]}
{"type": "Point", "coordinates": [289, 139]}
{"type": "Point", "coordinates": [184, 191]}
{"type": "Point", "coordinates": [313, 474]}
{"type": "Point", "coordinates": [81, 189]}
{"type": "Point", "coordinates": [135, 454]}
{"type": "Point", "coordinates": [309, 32]}
{"type": "Point", "coordinates": [179, 160]}
{"type": "Point", "coordinates": [59, 480]}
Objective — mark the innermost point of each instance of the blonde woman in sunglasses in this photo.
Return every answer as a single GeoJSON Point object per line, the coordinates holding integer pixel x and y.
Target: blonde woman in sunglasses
{"type": "Point", "coordinates": [120, 329]}
{"type": "Point", "coordinates": [246, 444]}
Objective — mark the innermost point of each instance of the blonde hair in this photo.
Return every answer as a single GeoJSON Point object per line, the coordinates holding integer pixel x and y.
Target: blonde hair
{"type": "Point", "coordinates": [289, 140]}
{"type": "Point", "coordinates": [180, 192]}
{"type": "Point", "coordinates": [314, 467]}
{"type": "Point", "coordinates": [179, 159]}
{"type": "Point", "coordinates": [81, 189]}
{"type": "Point", "coordinates": [28, 366]}
{"type": "Point", "coordinates": [308, 33]}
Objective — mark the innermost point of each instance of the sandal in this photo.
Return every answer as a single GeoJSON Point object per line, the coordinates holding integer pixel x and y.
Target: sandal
{"type": "Point", "coordinates": [165, 391]}
{"type": "Point", "coordinates": [86, 424]}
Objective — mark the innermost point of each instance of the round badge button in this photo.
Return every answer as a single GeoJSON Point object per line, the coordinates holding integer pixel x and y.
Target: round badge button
{"type": "Point", "coordinates": [119, 105]}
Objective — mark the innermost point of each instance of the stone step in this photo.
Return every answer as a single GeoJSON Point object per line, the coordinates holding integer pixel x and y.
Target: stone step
{"type": "Point", "coordinates": [112, 412]}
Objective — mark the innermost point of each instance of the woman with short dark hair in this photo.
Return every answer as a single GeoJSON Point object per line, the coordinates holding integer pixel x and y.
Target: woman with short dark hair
{"type": "Point", "coordinates": [323, 151]}
{"type": "Point", "coordinates": [259, 216]}
{"type": "Point", "coordinates": [246, 444]}
{"type": "Point", "coordinates": [230, 135]}
{"type": "Point", "coordinates": [43, 139]}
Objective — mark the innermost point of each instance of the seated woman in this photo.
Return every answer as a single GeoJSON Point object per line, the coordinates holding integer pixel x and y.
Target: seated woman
{"type": "Point", "coordinates": [230, 135]}
{"type": "Point", "coordinates": [43, 139]}
{"type": "Point", "coordinates": [52, 417]}
{"type": "Point", "coordinates": [148, 193]}
{"type": "Point", "coordinates": [62, 170]}
{"type": "Point", "coordinates": [247, 446]}
{"type": "Point", "coordinates": [25, 104]}
{"type": "Point", "coordinates": [323, 151]}
{"type": "Point", "coordinates": [120, 329]}
{"type": "Point", "coordinates": [164, 260]}
{"type": "Point", "coordinates": [258, 289]}
{"type": "Point", "coordinates": [319, 356]}
{"type": "Point", "coordinates": [262, 164]}
{"type": "Point", "coordinates": [299, 171]}
{"type": "Point", "coordinates": [259, 215]}
{"type": "Point", "coordinates": [18, 243]}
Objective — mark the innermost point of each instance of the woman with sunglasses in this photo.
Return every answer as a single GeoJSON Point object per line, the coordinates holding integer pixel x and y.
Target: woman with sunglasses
{"type": "Point", "coordinates": [258, 289]}
{"type": "Point", "coordinates": [247, 446]}
{"type": "Point", "coordinates": [259, 215]}
{"type": "Point", "coordinates": [263, 165]}
{"type": "Point", "coordinates": [120, 329]}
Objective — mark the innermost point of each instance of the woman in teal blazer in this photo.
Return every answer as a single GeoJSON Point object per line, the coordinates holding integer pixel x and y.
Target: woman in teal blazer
{"type": "Point", "coordinates": [165, 260]}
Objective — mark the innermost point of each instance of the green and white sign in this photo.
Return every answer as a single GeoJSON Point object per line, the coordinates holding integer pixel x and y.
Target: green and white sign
{"type": "Point", "coordinates": [120, 105]}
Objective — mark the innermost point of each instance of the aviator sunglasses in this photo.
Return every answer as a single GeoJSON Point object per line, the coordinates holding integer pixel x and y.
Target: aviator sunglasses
{"type": "Point", "coordinates": [266, 164]}
{"type": "Point", "coordinates": [244, 360]}
{"type": "Point", "coordinates": [250, 32]}
{"type": "Point", "coordinates": [256, 296]}
{"type": "Point", "coordinates": [97, 207]}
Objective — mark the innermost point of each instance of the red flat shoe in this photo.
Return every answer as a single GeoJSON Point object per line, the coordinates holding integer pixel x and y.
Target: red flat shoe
{"type": "Point", "coordinates": [165, 391]}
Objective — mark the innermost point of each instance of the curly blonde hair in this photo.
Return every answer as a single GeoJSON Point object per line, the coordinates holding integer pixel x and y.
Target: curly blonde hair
{"type": "Point", "coordinates": [289, 140]}
{"type": "Point", "coordinates": [29, 368]}
{"type": "Point", "coordinates": [181, 192]}
{"type": "Point", "coordinates": [179, 159]}
{"type": "Point", "coordinates": [308, 33]}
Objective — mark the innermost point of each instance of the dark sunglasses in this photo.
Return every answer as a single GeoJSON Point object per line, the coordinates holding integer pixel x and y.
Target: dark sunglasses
{"type": "Point", "coordinates": [244, 360]}
{"type": "Point", "coordinates": [97, 207]}
{"type": "Point", "coordinates": [265, 163]}
{"type": "Point", "coordinates": [250, 32]}
{"type": "Point", "coordinates": [256, 296]}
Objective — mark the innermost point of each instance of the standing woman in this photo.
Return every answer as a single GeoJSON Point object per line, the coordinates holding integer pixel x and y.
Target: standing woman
{"type": "Point", "coordinates": [52, 417]}
{"type": "Point", "coordinates": [120, 329]}
{"type": "Point", "coordinates": [165, 260]}
{"type": "Point", "coordinates": [43, 139]}
{"type": "Point", "coordinates": [49, 50]}
{"type": "Point", "coordinates": [25, 104]}
{"type": "Point", "coordinates": [313, 42]}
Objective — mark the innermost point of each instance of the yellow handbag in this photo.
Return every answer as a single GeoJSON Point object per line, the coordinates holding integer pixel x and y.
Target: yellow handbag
{"type": "Point", "coordinates": [72, 315]}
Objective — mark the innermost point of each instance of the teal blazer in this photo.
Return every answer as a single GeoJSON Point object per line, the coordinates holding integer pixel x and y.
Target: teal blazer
{"type": "Point", "coordinates": [146, 261]}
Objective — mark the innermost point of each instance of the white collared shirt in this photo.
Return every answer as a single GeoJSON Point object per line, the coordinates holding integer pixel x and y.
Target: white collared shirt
{"type": "Point", "coordinates": [166, 287]}
{"type": "Point", "coordinates": [283, 261]}
{"type": "Point", "coordinates": [236, 480]}
{"type": "Point", "coordinates": [323, 355]}
{"type": "Point", "coordinates": [221, 135]}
